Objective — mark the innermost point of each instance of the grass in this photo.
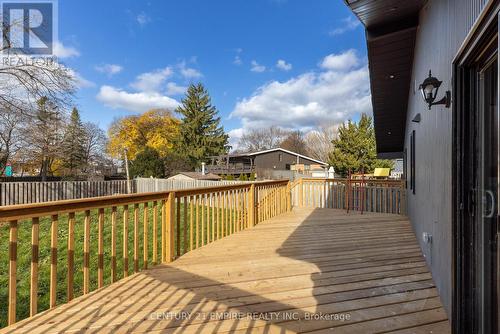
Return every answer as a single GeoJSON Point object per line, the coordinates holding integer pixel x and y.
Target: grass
{"type": "Point", "coordinates": [24, 255]}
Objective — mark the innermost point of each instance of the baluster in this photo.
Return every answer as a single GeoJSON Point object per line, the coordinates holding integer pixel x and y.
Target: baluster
{"type": "Point", "coordinates": [35, 228]}
{"type": "Point", "coordinates": [197, 206]}
{"type": "Point", "coordinates": [163, 231]}
{"type": "Point", "coordinates": [231, 213]}
{"type": "Point", "coordinates": [170, 207]}
{"type": "Point", "coordinates": [113, 244]}
{"type": "Point", "coordinates": [100, 250]}
{"type": "Point", "coordinates": [12, 272]}
{"type": "Point", "coordinates": [71, 255]}
{"type": "Point", "coordinates": [86, 253]}
{"type": "Point", "coordinates": [236, 210]}
{"type": "Point", "coordinates": [145, 232]}
{"type": "Point", "coordinates": [155, 232]}
{"type": "Point", "coordinates": [203, 219]}
{"type": "Point", "coordinates": [178, 226]}
{"type": "Point", "coordinates": [223, 215]}
{"type": "Point", "coordinates": [125, 241]}
{"type": "Point", "coordinates": [251, 206]}
{"type": "Point", "coordinates": [136, 238]}
{"type": "Point", "coordinates": [185, 229]}
{"type": "Point", "coordinates": [217, 216]}
{"type": "Point", "coordinates": [191, 223]}
{"type": "Point", "coordinates": [53, 261]}
{"type": "Point", "coordinates": [212, 225]}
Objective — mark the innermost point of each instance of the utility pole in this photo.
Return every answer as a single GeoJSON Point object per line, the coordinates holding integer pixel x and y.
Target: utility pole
{"type": "Point", "coordinates": [126, 169]}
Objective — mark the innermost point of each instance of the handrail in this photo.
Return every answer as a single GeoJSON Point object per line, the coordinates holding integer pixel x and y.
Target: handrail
{"type": "Point", "coordinates": [153, 227]}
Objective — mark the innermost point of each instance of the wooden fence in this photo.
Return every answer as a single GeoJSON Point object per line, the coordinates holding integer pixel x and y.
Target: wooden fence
{"type": "Point", "coordinates": [150, 184]}
{"type": "Point", "coordinates": [385, 196]}
{"type": "Point", "coordinates": [146, 228]}
{"type": "Point", "coordinates": [12, 193]}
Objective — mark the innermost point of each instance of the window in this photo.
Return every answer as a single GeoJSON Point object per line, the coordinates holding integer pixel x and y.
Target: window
{"type": "Point", "coordinates": [405, 167]}
{"type": "Point", "coordinates": [412, 161]}
{"type": "Point", "coordinates": [280, 157]}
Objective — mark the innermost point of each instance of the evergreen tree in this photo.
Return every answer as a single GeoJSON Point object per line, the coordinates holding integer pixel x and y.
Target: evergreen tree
{"type": "Point", "coordinates": [201, 134]}
{"type": "Point", "coordinates": [354, 149]}
{"type": "Point", "coordinates": [73, 148]}
{"type": "Point", "coordinates": [147, 163]}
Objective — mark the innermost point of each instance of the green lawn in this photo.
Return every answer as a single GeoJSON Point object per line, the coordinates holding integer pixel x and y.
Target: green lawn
{"type": "Point", "coordinates": [24, 255]}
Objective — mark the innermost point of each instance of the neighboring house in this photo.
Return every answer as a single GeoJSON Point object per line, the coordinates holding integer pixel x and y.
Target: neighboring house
{"type": "Point", "coordinates": [191, 176]}
{"type": "Point", "coordinates": [264, 162]}
{"type": "Point", "coordinates": [448, 138]}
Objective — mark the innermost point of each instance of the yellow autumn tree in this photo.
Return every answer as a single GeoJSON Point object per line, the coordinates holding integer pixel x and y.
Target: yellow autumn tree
{"type": "Point", "coordinates": [156, 129]}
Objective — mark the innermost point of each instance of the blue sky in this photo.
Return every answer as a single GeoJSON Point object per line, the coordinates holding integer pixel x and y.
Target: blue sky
{"type": "Point", "coordinates": [292, 63]}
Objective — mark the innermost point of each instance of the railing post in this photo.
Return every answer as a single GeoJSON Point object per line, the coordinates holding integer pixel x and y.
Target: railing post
{"type": "Point", "coordinates": [252, 213]}
{"type": "Point", "coordinates": [169, 228]}
{"type": "Point", "coordinates": [11, 316]}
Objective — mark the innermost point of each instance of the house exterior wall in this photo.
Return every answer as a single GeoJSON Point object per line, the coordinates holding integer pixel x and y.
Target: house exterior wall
{"type": "Point", "coordinates": [271, 160]}
{"type": "Point", "coordinates": [443, 27]}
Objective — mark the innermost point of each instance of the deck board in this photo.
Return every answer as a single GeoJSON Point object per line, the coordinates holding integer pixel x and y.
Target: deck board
{"type": "Point", "coordinates": [292, 273]}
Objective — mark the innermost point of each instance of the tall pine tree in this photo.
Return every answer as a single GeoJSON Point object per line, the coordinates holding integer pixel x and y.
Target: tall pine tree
{"type": "Point", "coordinates": [201, 134]}
{"type": "Point", "coordinates": [354, 149]}
{"type": "Point", "coordinates": [73, 149]}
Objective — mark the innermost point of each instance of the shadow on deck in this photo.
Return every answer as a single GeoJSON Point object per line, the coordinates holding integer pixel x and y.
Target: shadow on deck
{"type": "Point", "coordinates": [306, 271]}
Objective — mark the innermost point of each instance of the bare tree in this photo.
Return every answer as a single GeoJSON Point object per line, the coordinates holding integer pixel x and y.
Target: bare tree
{"type": "Point", "coordinates": [44, 134]}
{"type": "Point", "coordinates": [94, 142]}
{"type": "Point", "coordinates": [11, 139]}
{"type": "Point", "coordinates": [262, 139]}
{"type": "Point", "coordinates": [21, 86]}
{"type": "Point", "coordinates": [25, 79]}
{"type": "Point", "coordinates": [319, 142]}
{"type": "Point", "coordinates": [295, 142]}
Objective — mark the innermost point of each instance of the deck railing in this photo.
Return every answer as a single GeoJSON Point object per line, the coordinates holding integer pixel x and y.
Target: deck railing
{"type": "Point", "coordinates": [384, 196]}
{"type": "Point", "coordinates": [92, 240]}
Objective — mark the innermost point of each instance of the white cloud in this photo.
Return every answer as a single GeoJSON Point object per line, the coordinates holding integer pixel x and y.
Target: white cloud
{"type": "Point", "coordinates": [109, 69]}
{"type": "Point", "coordinates": [338, 91]}
{"type": "Point", "coordinates": [79, 80]}
{"type": "Point", "coordinates": [257, 68]}
{"type": "Point", "coordinates": [283, 65]}
{"type": "Point", "coordinates": [237, 60]}
{"type": "Point", "coordinates": [152, 81]}
{"type": "Point", "coordinates": [234, 137]}
{"type": "Point", "coordinates": [187, 72]}
{"type": "Point", "coordinates": [137, 102]}
{"type": "Point", "coordinates": [62, 51]}
{"type": "Point", "coordinates": [174, 89]}
{"type": "Point", "coordinates": [348, 24]}
{"type": "Point", "coordinates": [143, 19]}
{"type": "Point", "coordinates": [341, 62]}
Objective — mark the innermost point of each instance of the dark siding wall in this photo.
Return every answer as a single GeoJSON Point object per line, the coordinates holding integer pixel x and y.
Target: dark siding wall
{"type": "Point", "coordinates": [271, 160]}
{"type": "Point", "coordinates": [443, 27]}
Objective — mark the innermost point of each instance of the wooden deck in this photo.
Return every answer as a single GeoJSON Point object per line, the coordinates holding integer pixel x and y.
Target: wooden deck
{"type": "Point", "coordinates": [294, 273]}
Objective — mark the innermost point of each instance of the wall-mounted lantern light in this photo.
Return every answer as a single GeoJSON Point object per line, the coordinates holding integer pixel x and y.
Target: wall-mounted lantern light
{"type": "Point", "coordinates": [429, 89]}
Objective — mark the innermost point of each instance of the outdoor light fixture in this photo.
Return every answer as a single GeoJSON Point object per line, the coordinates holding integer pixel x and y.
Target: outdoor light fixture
{"type": "Point", "coordinates": [429, 89]}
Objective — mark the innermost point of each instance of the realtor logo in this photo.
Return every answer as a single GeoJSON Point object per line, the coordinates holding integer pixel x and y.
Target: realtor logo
{"type": "Point", "coordinates": [28, 27]}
